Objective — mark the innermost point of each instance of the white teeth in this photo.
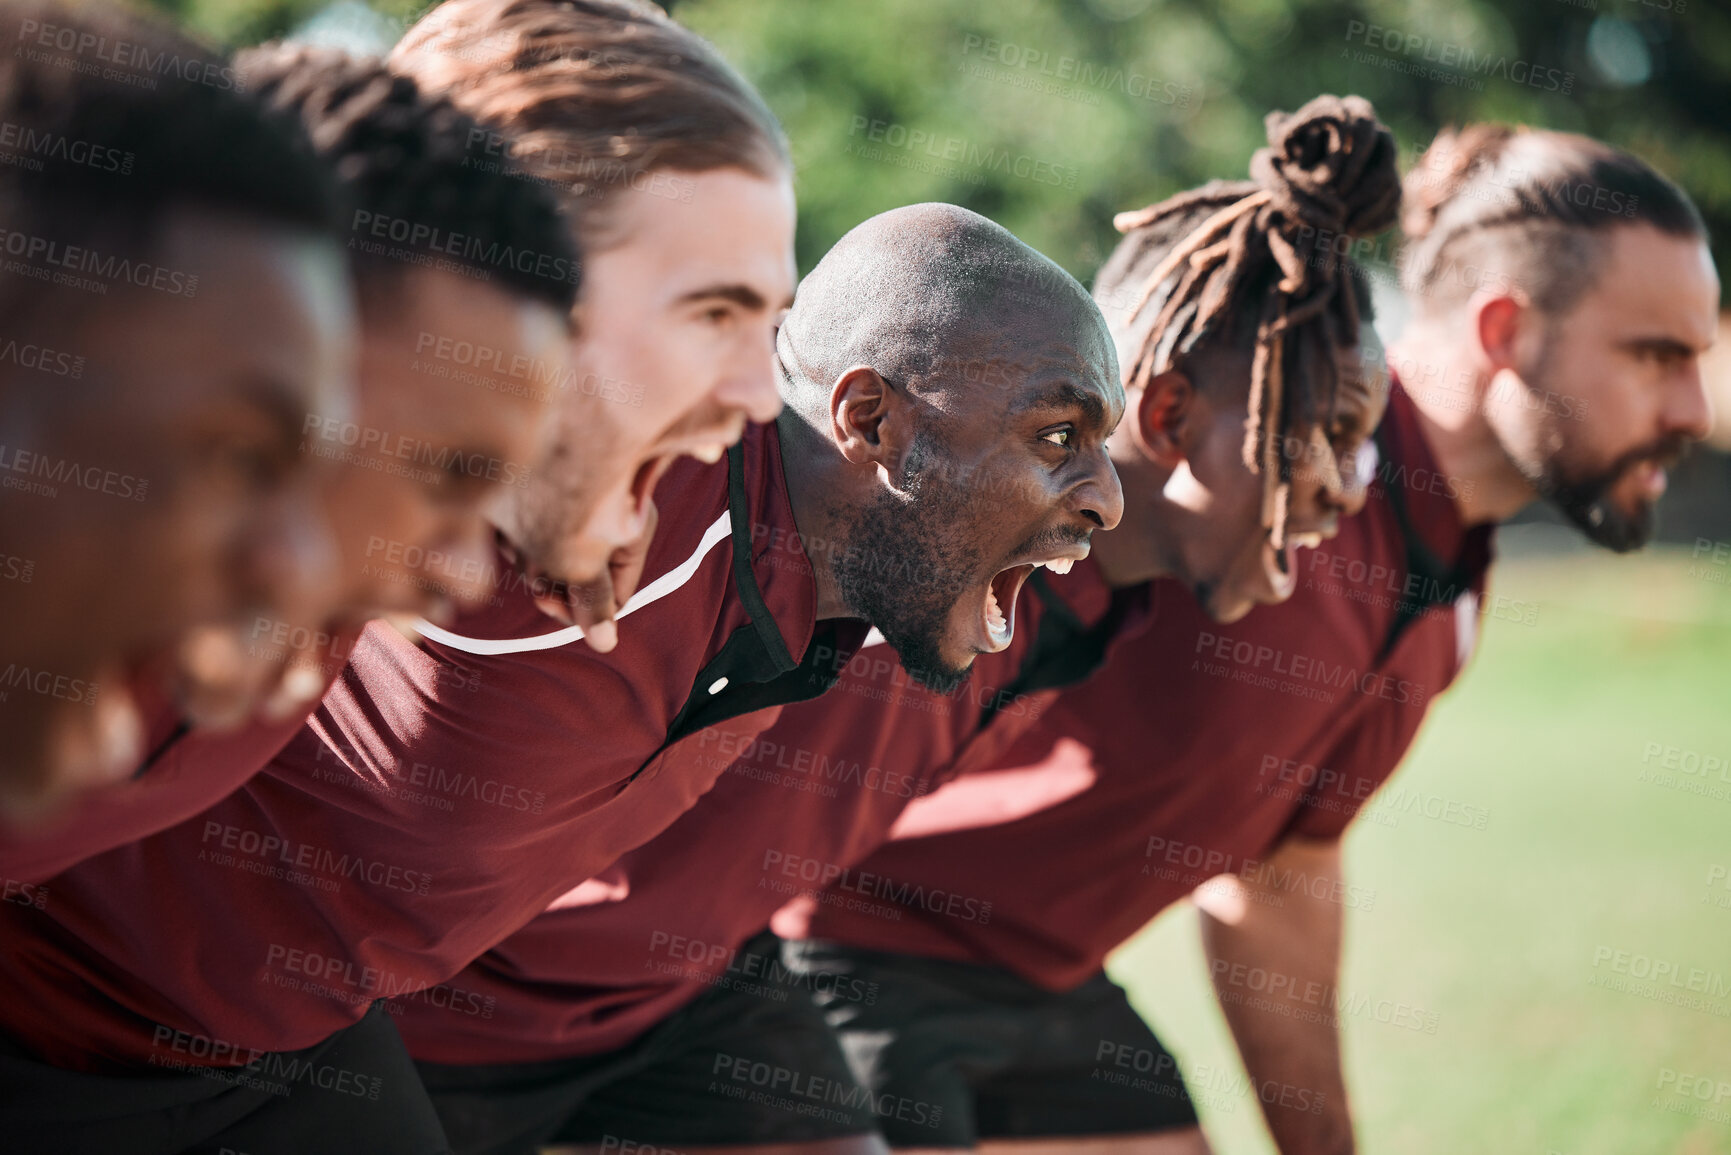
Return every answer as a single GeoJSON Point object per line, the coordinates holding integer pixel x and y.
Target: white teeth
{"type": "Point", "coordinates": [709, 454]}
{"type": "Point", "coordinates": [1306, 540]}
{"type": "Point", "coordinates": [995, 622]}
{"type": "Point", "coordinates": [1060, 565]}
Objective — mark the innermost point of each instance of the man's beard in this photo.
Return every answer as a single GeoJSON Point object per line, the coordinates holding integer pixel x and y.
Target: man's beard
{"type": "Point", "coordinates": [1587, 503]}
{"type": "Point", "coordinates": [543, 520]}
{"type": "Point", "coordinates": [1585, 498]}
{"type": "Point", "coordinates": [902, 571]}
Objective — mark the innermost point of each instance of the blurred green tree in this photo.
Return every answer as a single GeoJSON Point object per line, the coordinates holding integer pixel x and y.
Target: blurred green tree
{"type": "Point", "coordinates": [1051, 115]}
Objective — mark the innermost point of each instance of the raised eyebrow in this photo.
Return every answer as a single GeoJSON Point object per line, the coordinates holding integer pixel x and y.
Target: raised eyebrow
{"type": "Point", "coordinates": [1064, 395]}
{"type": "Point", "coordinates": [744, 296]}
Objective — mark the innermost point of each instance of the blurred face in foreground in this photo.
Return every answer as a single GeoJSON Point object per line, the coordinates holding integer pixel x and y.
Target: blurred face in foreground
{"type": "Point", "coordinates": [457, 383]}
{"type": "Point", "coordinates": [674, 353]}
{"type": "Point", "coordinates": [176, 498]}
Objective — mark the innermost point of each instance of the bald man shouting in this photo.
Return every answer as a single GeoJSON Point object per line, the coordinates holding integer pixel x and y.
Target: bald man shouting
{"type": "Point", "coordinates": [948, 397]}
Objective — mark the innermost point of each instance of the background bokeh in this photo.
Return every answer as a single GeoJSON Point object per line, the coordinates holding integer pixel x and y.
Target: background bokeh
{"type": "Point", "coordinates": [1051, 116]}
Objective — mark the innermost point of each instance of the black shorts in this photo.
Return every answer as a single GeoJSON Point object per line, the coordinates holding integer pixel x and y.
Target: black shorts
{"type": "Point", "coordinates": [746, 1062]}
{"type": "Point", "coordinates": [356, 1093]}
{"type": "Point", "coordinates": [990, 1055]}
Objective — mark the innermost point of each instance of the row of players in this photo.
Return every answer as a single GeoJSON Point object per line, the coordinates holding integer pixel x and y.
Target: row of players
{"type": "Point", "coordinates": [543, 860]}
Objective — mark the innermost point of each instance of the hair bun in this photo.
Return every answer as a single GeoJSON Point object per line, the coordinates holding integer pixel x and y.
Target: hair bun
{"type": "Point", "coordinates": [1331, 165]}
{"type": "Point", "coordinates": [1453, 159]}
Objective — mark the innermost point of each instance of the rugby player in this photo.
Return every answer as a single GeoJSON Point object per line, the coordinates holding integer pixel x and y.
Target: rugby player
{"type": "Point", "coordinates": [1562, 293]}
{"type": "Point", "coordinates": [640, 1006]}
{"type": "Point", "coordinates": [682, 195]}
{"type": "Point", "coordinates": [411, 473]}
{"type": "Point", "coordinates": [175, 302]}
{"type": "Point", "coordinates": [443, 795]}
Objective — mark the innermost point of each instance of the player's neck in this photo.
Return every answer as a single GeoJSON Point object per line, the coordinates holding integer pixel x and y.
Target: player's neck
{"type": "Point", "coordinates": [809, 476]}
{"type": "Point", "coordinates": [1449, 399]}
{"type": "Point", "coordinates": [1135, 552]}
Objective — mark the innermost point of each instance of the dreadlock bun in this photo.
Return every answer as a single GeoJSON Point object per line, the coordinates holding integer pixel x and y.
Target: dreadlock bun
{"type": "Point", "coordinates": [1454, 159]}
{"type": "Point", "coordinates": [1331, 166]}
{"type": "Point", "coordinates": [1265, 254]}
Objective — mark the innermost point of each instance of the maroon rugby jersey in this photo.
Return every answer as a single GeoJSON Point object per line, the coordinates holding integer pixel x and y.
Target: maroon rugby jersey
{"type": "Point", "coordinates": [797, 806]}
{"type": "Point", "coordinates": [440, 797]}
{"type": "Point", "coordinates": [185, 771]}
{"type": "Point", "coordinates": [1197, 748]}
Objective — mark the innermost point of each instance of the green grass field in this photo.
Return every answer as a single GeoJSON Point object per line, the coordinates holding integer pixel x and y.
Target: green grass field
{"type": "Point", "coordinates": [1502, 932]}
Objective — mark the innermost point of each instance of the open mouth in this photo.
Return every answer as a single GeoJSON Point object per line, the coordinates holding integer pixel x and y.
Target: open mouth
{"type": "Point", "coordinates": [644, 481]}
{"type": "Point", "coordinates": [1651, 478]}
{"type": "Point", "coordinates": [710, 446]}
{"type": "Point", "coordinates": [999, 614]}
{"type": "Point", "coordinates": [1280, 568]}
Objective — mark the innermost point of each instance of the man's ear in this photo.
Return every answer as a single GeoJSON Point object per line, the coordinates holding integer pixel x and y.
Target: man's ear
{"type": "Point", "coordinates": [1165, 414]}
{"type": "Point", "coordinates": [864, 412]}
{"type": "Point", "coordinates": [1501, 320]}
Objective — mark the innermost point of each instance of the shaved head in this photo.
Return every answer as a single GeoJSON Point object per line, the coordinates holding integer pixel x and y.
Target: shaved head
{"type": "Point", "coordinates": [925, 295]}
{"type": "Point", "coordinates": [948, 395]}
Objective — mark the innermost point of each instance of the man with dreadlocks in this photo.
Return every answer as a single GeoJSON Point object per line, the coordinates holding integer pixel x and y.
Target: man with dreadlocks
{"type": "Point", "coordinates": [1562, 292]}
